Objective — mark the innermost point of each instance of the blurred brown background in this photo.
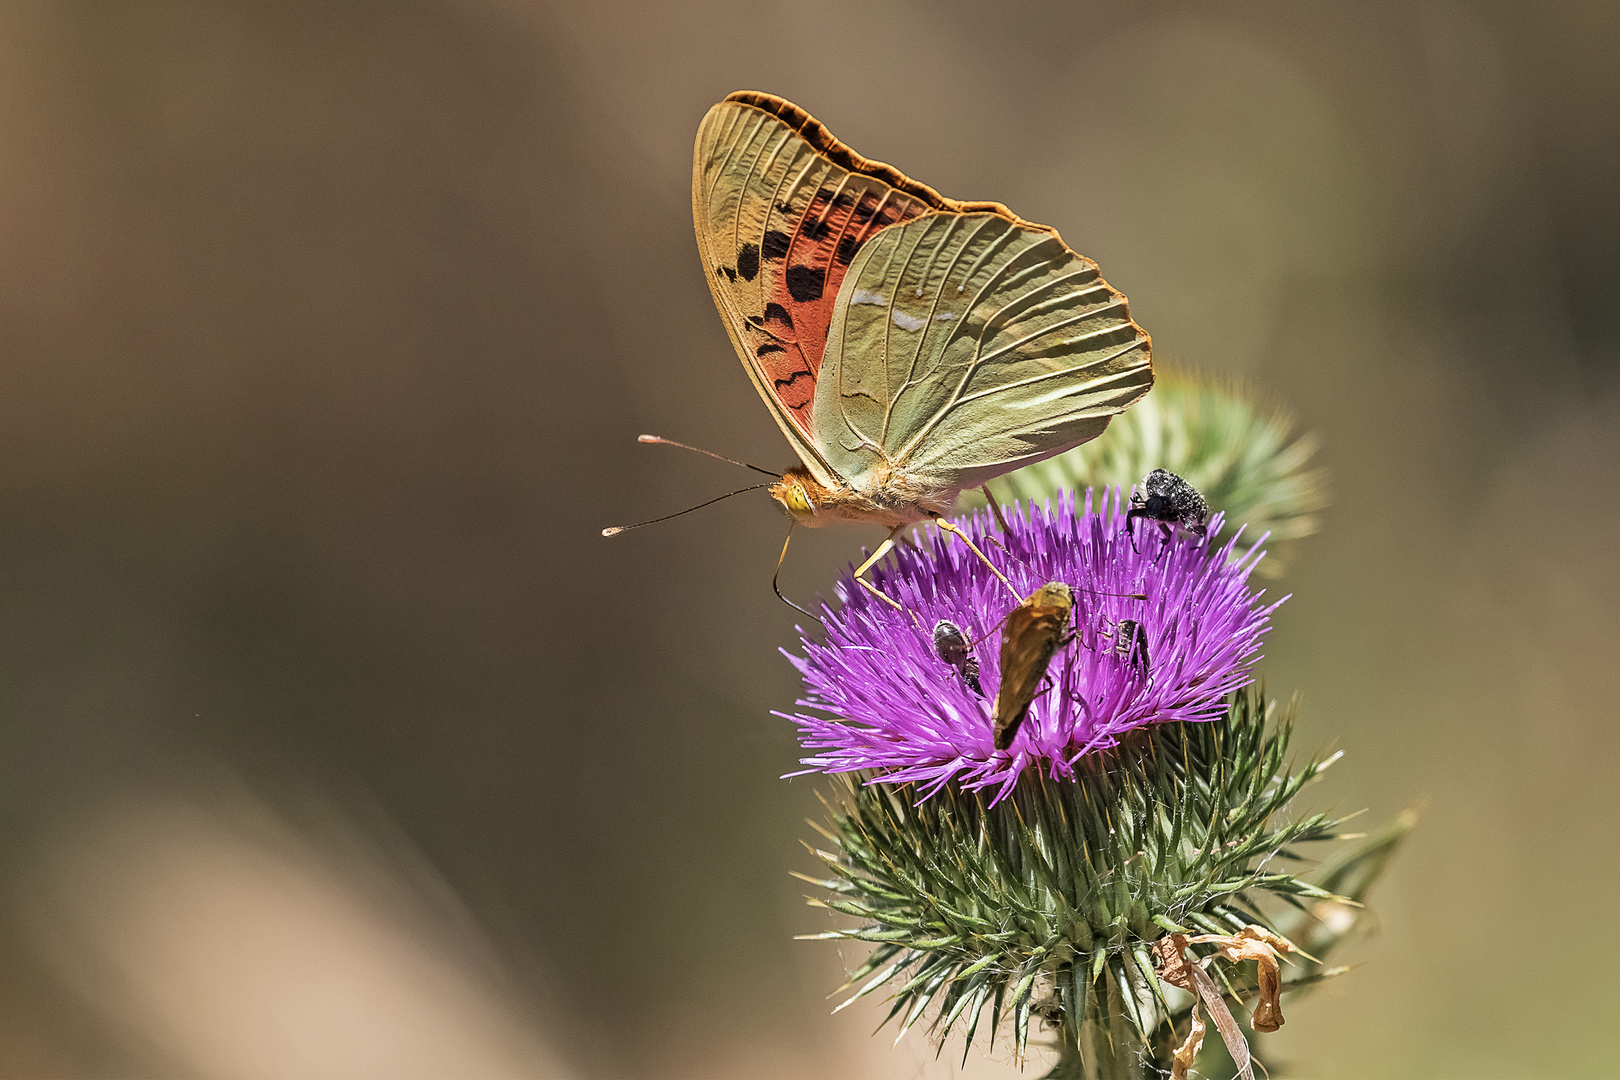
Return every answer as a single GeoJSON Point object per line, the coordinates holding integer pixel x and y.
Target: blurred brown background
{"type": "Point", "coordinates": [335, 741]}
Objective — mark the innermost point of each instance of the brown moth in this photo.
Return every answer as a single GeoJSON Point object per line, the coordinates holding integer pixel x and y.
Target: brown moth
{"type": "Point", "coordinates": [1032, 633]}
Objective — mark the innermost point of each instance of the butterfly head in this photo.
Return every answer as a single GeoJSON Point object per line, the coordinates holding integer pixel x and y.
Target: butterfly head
{"type": "Point", "coordinates": [799, 494]}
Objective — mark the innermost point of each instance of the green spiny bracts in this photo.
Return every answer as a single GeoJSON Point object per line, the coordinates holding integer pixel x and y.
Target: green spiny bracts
{"type": "Point", "coordinates": [1243, 457]}
{"type": "Point", "coordinates": [1044, 907]}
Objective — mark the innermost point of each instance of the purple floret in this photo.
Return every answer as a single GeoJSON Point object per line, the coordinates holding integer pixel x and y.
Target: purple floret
{"type": "Point", "coordinates": [880, 699]}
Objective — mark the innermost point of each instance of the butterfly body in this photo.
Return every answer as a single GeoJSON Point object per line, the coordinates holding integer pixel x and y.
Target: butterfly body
{"type": "Point", "coordinates": [893, 499]}
{"type": "Point", "coordinates": [908, 345]}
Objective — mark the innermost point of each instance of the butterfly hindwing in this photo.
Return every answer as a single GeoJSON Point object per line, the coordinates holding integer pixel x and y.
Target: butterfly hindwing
{"type": "Point", "coordinates": [964, 345]}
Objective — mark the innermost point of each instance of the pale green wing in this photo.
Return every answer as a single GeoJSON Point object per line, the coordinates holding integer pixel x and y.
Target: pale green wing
{"type": "Point", "coordinates": [965, 345]}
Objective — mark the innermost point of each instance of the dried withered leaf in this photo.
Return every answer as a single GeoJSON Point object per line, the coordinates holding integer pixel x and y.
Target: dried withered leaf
{"type": "Point", "coordinates": [1172, 965]}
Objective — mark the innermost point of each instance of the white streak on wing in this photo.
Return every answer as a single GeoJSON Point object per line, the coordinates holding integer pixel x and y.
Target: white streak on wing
{"type": "Point", "coordinates": [908, 322]}
{"type": "Point", "coordinates": [945, 316]}
{"type": "Point", "coordinates": [867, 296]}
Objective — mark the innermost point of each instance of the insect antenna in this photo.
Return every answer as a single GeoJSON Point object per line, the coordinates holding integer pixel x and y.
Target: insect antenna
{"type": "Point", "coordinates": [617, 529]}
{"type": "Point", "coordinates": [709, 453]}
{"type": "Point", "coordinates": [1099, 592]}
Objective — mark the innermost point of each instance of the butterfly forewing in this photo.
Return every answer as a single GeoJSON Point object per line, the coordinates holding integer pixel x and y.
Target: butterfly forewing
{"type": "Point", "coordinates": [781, 210]}
{"type": "Point", "coordinates": [964, 345]}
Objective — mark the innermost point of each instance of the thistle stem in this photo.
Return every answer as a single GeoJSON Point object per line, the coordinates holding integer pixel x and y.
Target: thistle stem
{"type": "Point", "coordinates": [1107, 1055]}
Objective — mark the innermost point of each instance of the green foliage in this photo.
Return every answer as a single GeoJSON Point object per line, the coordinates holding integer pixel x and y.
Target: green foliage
{"type": "Point", "coordinates": [1244, 458]}
{"type": "Point", "coordinates": [1043, 906]}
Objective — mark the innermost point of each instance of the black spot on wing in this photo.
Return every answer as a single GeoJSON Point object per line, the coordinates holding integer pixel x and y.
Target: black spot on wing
{"type": "Point", "coordinates": [748, 261]}
{"type": "Point", "coordinates": [815, 230]}
{"type": "Point", "coordinates": [805, 282]}
{"type": "Point", "coordinates": [791, 379]}
{"type": "Point", "coordinates": [847, 247]}
{"type": "Point", "coordinates": [775, 245]}
{"type": "Point", "coordinates": [731, 275]}
{"type": "Point", "coordinates": [844, 199]}
{"type": "Point", "coordinates": [768, 348]}
{"type": "Point", "coordinates": [778, 312]}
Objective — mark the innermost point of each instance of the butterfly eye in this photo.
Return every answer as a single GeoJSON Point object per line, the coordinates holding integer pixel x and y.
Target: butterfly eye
{"type": "Point", "coordinates": [798, 501]}
{"type": "Point", "coordinates": [793, 497]}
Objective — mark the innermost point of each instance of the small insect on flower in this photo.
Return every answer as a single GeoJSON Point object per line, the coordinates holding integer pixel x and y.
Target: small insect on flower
{"type": "Point", "coordinates": [1033, 632]}
{"type": "Point", "coordinates": [953, 647]}
{"type": "Point", "coordinates": [1164, 497]}
{"type": "Point", "coordinates": [1130, 642]}
{"type": "Point", "coordinates": [877, 701]}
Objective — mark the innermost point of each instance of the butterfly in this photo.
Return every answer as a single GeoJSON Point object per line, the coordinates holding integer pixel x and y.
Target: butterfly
{"type": "Point", "coordinates": [909, 346]}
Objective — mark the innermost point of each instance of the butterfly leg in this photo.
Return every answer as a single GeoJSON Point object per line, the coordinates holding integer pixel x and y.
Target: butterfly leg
{"type": "Point", "coordinates": [995, 508]}
{"type": "Point", "coordinates": [950, 527]}
{"type": "Point", "coordinates": [882, 550]}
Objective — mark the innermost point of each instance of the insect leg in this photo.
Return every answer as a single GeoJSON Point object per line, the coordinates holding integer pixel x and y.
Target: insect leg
{"type": "Point", "coordinates": [882, 550]}
{"type": "Point", "coordinates": [951, 528]}
{"type": "Point", "coordinates": [995, 508]}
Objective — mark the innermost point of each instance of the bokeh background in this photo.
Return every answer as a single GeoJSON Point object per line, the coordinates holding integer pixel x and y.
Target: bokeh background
{"type": "Point", "coordinates": [334, 740]}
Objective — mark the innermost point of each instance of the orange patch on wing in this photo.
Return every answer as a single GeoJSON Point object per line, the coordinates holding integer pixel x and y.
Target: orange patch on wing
{"type": "Point", "coordinates": [810, 264]}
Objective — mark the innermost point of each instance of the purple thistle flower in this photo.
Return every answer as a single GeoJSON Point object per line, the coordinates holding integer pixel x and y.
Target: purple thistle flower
{"type": "Point", "coordinates": [882, 700]}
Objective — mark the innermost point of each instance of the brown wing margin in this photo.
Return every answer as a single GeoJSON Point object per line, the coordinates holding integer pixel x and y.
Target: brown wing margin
{"type": "Point", "coordinates": [815, 133]}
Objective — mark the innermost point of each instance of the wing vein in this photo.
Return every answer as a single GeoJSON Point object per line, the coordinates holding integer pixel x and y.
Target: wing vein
{"type": "Point", "coordinates": [933, 310]}
{"type": "Point", "coordinates": [961, 384]}
{"type": "Point", "coordinates": [1071, 370]}
{"type": "Point", "coordinates": [737, 214]}
{"type": "Point", "coordinates": [888, 321]}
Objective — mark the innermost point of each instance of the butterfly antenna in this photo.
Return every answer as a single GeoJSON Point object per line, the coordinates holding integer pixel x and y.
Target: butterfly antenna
{"type": "Point", "coordinates": [777, 589]}
{"type": "Point", "coordinates": [617, 529]}
{"type": "Point", "coordinates": [709, 453]}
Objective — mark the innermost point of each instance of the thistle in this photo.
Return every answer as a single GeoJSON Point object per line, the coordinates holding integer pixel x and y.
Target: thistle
{"type": "Point", "coordinates": [881, 699]}
{"type": "Point", "coordinates": [1128, 868]}
{"type": "Point", "coordinates": [1245, 458]}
